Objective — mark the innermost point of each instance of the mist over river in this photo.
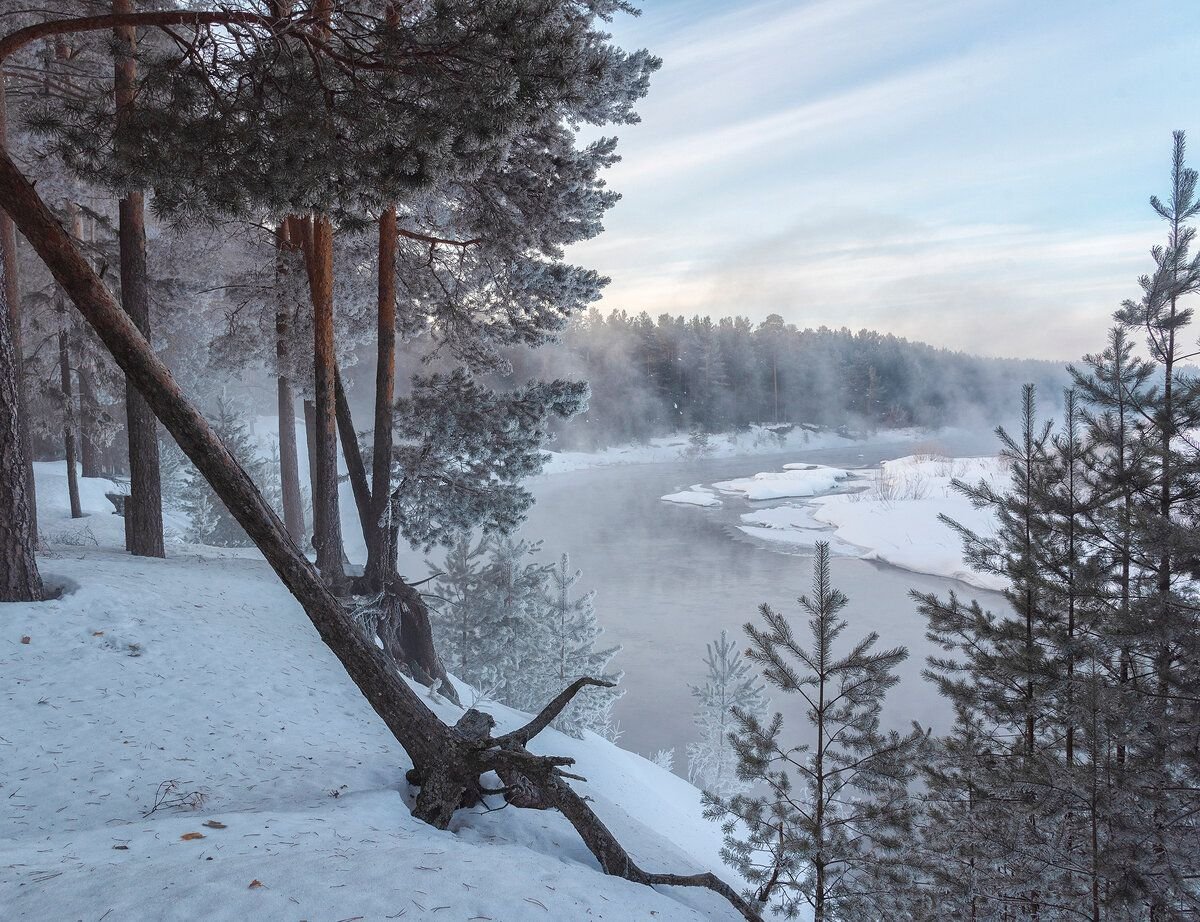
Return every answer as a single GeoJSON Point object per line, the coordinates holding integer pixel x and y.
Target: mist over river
{"type": "Point", "coordinates": [669, 578]}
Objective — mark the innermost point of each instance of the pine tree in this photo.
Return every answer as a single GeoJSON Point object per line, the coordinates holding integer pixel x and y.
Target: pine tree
{"type": "Point", "coordinates": [827, 834]}
{"type": "Point", "coordinates": [510, 627]}
{"type": "Point", "coordinates": [664, 759]}
{"type": "Point", "coordinates": [731, 683]}
{"type": "Point", "coordinates": [567, 632]}
{"type": "Point", "coordinates": [490, 623]}
{"type": "Point", "coordinates": [1162, 762]}
{"type": "Point", "coordinates": [456, 618]}
{"type": "Point", "coordinates": [1003, 676]}
{"type": "Point", "coordinates": [210, 522]}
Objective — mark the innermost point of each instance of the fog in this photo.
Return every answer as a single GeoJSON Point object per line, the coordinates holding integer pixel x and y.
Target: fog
{"type": "Point", "coordinates": [669, 579]}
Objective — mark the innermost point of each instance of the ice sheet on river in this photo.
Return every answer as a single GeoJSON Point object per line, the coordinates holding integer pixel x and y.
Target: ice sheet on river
{"type": "Point", "coordinates": [892, 518]}
{"type": "Point", "coordinates": [797, 480]}
{"type": "Point", "coordinates": [696, 495]}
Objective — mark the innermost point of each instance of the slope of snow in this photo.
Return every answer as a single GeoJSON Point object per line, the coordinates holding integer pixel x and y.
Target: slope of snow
{"type": "Point", "coordinates": [795, 480]}
{"type": "Point", "coordinates": [199, 676]}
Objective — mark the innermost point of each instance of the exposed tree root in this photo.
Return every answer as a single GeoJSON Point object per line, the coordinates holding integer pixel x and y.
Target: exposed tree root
{"type": "Point", "coordinates": [540, 783]}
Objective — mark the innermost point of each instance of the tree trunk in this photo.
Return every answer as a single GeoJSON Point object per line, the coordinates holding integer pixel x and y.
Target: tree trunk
{"type": "Point", "coordinates": [353, 454]}
{"type": "Point", "coordinates": [143, 508]}
{"type": "Point", "coordinates": [327, 534]}
{"type": "Point", "coordinates": [19, 577]}
{"type": "Point", "coordinates": [402, 625]}
{"type": "Point", "coordinates": [12, 299]}
{"type": "Point", "coordinates": [68, 396]}
{"type": "Point", "coordinates": [424, 737]}
{"type": "Point", "coordinates": [380, 540]}
{"type": "Point", "coordinates": [289, 463]}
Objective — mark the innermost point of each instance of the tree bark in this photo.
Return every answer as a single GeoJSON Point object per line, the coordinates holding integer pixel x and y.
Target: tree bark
{"type": "Point", "coordinates": [353, 454]}
{"type": "Point", "coordinates": [19, 577]}
{"type": "Point", "coordinates": [327, 533]}
{"type": "Point", "coordinates": [289, 464]}
{"type": "Point", "coordinates": [143, 508]}
{"type": "Point", "coordinates": [90, 455]}
{"type": "Point", "coordinates": [12, 298]}
{"type": "Point", "coordinates": [381, 540]}
{"type": "Point", "coordinates": [68, 396]}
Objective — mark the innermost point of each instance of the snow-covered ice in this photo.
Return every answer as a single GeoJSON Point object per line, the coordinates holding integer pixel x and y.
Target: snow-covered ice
{"type": "Point", "coordinates": [696, 495]}
{"type": "Point", "coordinates": [203, 671]}
{"type": "Point", "coordinates": [796, 480]}
{"type": "Point", "coordinates": [894, 518]}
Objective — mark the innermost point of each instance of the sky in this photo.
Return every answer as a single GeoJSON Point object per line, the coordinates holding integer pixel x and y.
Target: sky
{"type": "Point", "coordinates": [970, 173]}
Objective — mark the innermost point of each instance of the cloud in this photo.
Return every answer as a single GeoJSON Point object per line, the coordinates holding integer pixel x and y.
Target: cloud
{"type": "Point", "coordinates": [992, 289]}
{"type": "Point", "coordinates": [970, 173]}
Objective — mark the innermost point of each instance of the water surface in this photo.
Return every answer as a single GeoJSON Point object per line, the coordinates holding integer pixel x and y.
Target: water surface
{"type": "Point", "coordinates": [669, 578]}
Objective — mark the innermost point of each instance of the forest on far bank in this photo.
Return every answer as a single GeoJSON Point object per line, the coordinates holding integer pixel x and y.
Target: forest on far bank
{"type": "Point", "coordinates": [657, 377]}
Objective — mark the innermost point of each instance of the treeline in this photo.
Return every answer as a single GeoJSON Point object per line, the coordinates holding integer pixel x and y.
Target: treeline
{"type": "Point", "coordinates": [653, 377]}
{"type": "Point", "coordinates": [1068, 786]}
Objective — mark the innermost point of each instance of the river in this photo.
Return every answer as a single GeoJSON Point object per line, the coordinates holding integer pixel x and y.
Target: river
{"type": "Point", "coordinates": [670, 578]}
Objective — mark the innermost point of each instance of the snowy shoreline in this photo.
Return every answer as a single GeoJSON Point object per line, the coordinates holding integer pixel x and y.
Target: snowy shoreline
{"type": "Point", "coordinates": [889, 514]}
{"type": "Point", "coordinates": [757, 440]}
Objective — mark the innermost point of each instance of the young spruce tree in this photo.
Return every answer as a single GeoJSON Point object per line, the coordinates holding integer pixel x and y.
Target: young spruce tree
{"type": "Point", "coordinates": [822, 827]}
{"type": "Point", "coordinates": [731, 683]}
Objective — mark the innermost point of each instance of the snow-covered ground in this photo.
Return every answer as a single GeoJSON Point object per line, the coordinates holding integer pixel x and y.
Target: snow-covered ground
{"type": "Point", "coordinates": [892, 516]}
{"type": "Point", "coordinates": [199, 679]}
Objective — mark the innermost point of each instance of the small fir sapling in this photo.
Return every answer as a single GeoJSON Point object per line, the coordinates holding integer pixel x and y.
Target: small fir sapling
{"type": "Point", "coordinates": [211, 523]}
{"type": "Point", "coordinates": [732, 682]}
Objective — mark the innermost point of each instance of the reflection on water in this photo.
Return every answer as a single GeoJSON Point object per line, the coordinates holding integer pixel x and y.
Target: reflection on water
{"type": "Point", "coordinates": [669, 578]}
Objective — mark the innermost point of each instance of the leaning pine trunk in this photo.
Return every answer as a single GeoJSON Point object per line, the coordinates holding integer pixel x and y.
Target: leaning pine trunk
{"type": "Point", "coordinates": [424, 737]}
{"type": "Point", "coordinates": [68, 396]}
{"type": "Point", "coordinates": [143, 508]}
{"type": "Point", "coordinates": [289, 465]}
{"type": "Point", "coordinates": [447, 763]}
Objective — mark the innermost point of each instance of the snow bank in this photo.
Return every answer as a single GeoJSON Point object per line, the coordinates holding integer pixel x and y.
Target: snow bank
{"type": "Point", "coordinates": [795, 480]}
{"type": "Point", "coordinates": [896, 518]}
{"type": "Point", "coordinates": [200, 680]}
{"type": "Point", "coordinates": [696, 495]}
{"type": "Point", "coordinates": [893, 517]}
